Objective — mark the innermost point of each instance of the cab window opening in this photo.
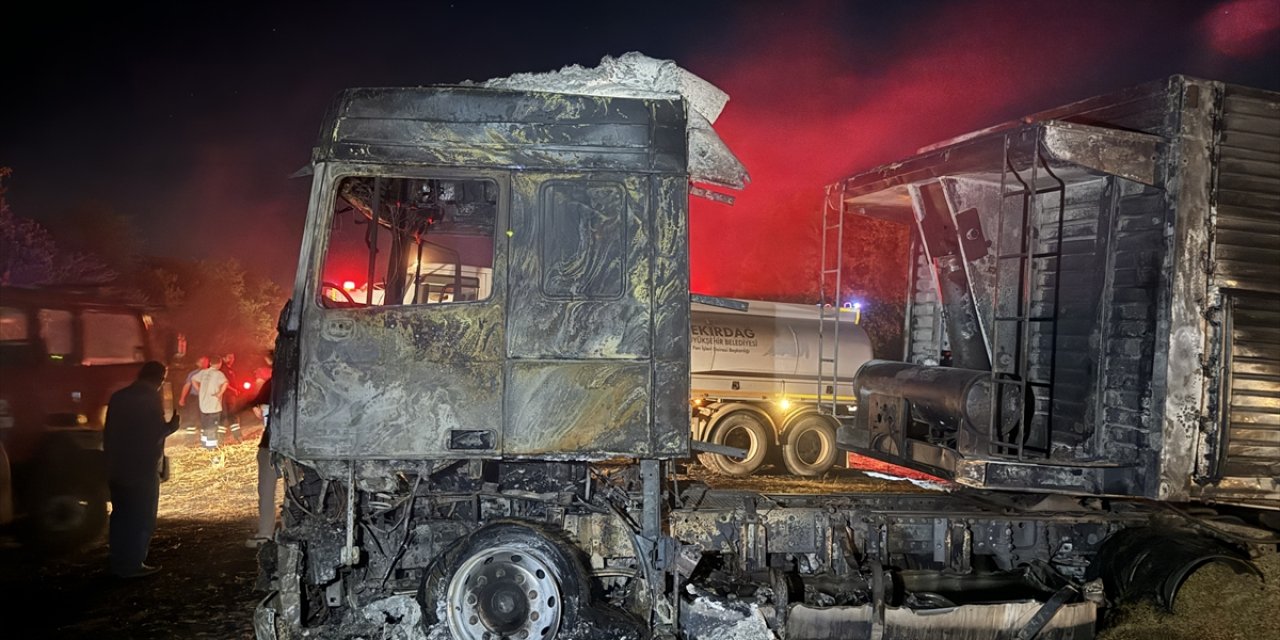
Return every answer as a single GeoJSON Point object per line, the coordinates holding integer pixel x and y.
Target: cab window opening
{"type": "Point", "coordinates": [410, 241]}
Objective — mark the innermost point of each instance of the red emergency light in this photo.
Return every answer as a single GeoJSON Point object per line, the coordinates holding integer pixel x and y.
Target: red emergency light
{"type": "Point", "coordinates": [247, 385]}
{"type": "Point", "coordinates": [349, 285]}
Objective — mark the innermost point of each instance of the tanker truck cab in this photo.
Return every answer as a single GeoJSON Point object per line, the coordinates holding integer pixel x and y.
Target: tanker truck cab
{"type": "Point", "coordinates": [759, 383]}
{"type": "Point", "coordinates": [443, 288]}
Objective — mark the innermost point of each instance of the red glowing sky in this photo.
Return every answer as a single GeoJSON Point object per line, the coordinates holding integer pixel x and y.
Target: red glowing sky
{"type": "Point", "coordinates": [1242, 28]}
{"type": "Point", "coordinates": [811, 104]}
{"type": "Point", "coordinates": [192, 124]}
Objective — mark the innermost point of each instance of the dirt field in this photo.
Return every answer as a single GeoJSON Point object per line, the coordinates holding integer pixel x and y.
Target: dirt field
{"type": "Point", "coordinates": [206, 588]}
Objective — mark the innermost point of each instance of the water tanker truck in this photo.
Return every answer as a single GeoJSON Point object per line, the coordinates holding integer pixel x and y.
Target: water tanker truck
{"type": "Point", "coordinates": [485, 458]}
{"type": "Point", "coordinates": [756, 371]}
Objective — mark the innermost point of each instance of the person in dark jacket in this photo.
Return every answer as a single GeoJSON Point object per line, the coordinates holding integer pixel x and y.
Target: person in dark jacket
{"type": "Point", "coordinates": [230, 412]}
{"type": "Point", "coordinates": [133, 441]}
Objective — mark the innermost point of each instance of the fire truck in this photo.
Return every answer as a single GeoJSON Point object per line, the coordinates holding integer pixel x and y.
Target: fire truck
{"type": "Point", "coordinates": [63, 352]}
{"type": "Point", "coordinates": [496, 458]}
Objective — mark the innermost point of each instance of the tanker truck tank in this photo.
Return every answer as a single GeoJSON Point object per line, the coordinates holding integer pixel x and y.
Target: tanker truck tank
{"type": "Point", "coordinates": [757, 383]}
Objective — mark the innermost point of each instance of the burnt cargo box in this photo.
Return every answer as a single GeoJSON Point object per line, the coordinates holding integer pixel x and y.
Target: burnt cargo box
{"type": "Point", "coordinates": [1108, 274]}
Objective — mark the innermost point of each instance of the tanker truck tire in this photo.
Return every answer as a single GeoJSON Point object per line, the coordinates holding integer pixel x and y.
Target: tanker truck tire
{"type": "Point", "coordinates": [710, 461]}
{"type": "Point", "coordinates": [810, 447]}
{"type": "Point", "coordinates": [506, 580]}
{"type": "Point", "coordinates": [744, 430]}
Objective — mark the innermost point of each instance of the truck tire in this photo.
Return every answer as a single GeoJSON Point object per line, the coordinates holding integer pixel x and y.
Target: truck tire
{"type": "Point", "coordinates": [506, 580]}
{"type": "Point", "coordinates": [65, 510]}
{"type": "Point", "coordinates": [710, 461]}
{"type": "Point", "coordinates": [744, 430]}
{"type": "Point", "coordinates": [810, 447]}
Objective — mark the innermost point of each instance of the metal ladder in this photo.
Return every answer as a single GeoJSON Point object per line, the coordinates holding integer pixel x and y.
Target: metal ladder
{"type": "Point", "coordinates": [829, 281]}
{"type": "Point", "coordinates": [1012, 375]}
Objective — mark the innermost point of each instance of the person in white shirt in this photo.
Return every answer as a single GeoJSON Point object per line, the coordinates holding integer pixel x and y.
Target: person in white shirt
{"type": "Point", "coordinates": [211, 384]}
{"type": "Point", "coordinates": [191, 412]}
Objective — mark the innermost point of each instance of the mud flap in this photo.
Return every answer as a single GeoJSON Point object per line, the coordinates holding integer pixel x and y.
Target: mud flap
{"type": "Point", "coordinates": [967, 622]}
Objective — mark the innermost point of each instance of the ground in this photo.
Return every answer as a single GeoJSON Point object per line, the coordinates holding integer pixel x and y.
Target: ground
{"type": "Point", "coordinates": [206, 589]}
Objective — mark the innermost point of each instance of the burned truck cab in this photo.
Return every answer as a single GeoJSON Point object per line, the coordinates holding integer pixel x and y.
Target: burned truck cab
{"type": "Point", "coordinates": [459, 241]}
{"type": "Point", "coordinates": [492, 294]}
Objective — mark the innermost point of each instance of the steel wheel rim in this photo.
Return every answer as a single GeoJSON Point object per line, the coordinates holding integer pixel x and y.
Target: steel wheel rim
{"type": "Point", "coordinates": [504, 593]}
{"type": "Point", "coordinates": [736, 436]}
{"type": "Point", "coordinates": [811, 447]}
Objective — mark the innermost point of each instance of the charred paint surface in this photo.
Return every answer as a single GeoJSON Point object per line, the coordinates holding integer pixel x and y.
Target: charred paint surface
{"type": "Point", "coordinates": [581, 260]}
{"type": "Point", "coordinates": [1240, 443]}
{"type": "Point", "coordinates": [1133, 156]}
{"type": "Point", "coordinates": [465, 126]}
{"type": "Point", "coordinates": [594, 409]}
{"type": "Point", "coordinates": [395, 382]}
{"type": "Point", "coordinates": [582, 349]}
{"type": "Point", "coordinates": [582, 337]}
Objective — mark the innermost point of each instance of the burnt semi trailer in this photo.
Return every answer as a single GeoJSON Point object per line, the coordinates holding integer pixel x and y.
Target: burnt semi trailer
{"type": "Point", "coordinates": [479, 442]}
{"type": "Point", "coordinates": [1105, 277]}
{"type": "Point", "coordinates": [758, 384]}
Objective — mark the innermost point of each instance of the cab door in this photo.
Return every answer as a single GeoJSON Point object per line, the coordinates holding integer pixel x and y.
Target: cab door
{"type": "Point", "coordinates": [400, 342]}
{"type": "Point", "coordinates": [580, 334]}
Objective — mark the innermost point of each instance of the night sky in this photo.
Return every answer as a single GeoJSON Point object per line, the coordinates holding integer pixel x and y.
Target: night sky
{"type": "Point", "coordinates": [190, 117]}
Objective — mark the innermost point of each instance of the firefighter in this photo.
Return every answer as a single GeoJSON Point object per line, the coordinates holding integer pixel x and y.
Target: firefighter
{"type": "Point", "coordinates": [230, 427]}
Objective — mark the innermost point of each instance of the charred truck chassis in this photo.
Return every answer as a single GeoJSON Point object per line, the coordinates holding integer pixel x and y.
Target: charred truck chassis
{"type": "Point", "coordinates": [793, 566]}
{"type": "Point", "coordinates": [482, 383]}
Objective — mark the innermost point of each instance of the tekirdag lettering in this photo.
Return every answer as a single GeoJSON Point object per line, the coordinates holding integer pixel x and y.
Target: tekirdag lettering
{"type": "Point", "coordinates": [723, 331]}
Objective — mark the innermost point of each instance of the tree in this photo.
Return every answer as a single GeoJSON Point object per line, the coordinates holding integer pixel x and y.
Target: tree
{"type": "Point", "coordinates": [29, 255]}
{"type": "Point", "coordinates": [785, 265]}
{"type": "Point", "coordinates": [219, 305]}
{"type": "Point", "coordinates": [111, 238]}
{"type": "Point", "coordinates": [876, 265]}
{"type": "Point", "coordinates": [26, 248]}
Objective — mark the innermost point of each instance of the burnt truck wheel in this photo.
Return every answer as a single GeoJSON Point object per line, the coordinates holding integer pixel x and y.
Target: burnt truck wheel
{"type": "Point", "coordinates": [506, 580]}
{"type": "Point", "coordinates": [810, 447]}
{"type": "Point", "coordinates": [746, 431]}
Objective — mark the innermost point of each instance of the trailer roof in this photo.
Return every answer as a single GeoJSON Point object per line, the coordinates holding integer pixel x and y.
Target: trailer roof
{"type": "Point", "coordinates": [1124, 133]}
